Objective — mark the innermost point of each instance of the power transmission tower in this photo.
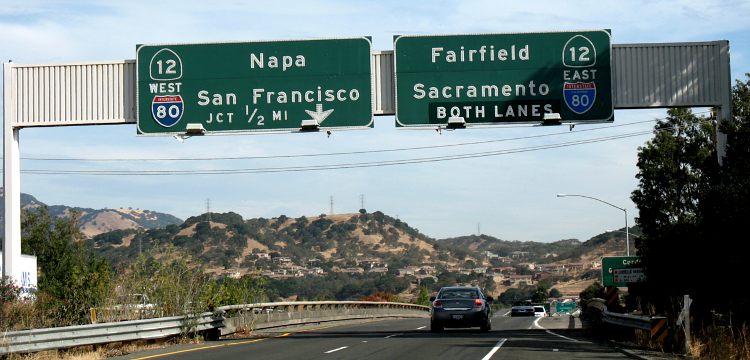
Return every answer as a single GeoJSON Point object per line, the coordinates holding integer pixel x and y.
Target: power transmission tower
{"type": "Point", "coordinates": [331, 213]}
{"type": "Point", "coordinates": [362, 201]}
{"type": "Point", "coordinates": [479, 229]}
{"type": "Point", "coordinates": [208, 210]}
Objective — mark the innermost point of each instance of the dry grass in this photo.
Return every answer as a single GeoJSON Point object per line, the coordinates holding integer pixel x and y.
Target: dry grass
{"type": "Point", "coordinates": [98, 353]}
{"type": "Point", "coordinates": [722, 342]}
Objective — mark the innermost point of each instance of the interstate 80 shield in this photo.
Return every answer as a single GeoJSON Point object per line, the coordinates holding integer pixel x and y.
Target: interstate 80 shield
{"type": "Point", "coordinates": [167, 110]}
{"type": "Point", "coordinates": [579, 96]}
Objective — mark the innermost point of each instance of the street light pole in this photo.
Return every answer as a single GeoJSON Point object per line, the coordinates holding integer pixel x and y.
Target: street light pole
{"type": "Point", "coordinates": [627, 232]}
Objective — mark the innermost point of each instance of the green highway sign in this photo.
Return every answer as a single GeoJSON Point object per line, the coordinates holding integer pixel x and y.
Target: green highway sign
{"type": "Point", "coordinates": [500, 79]}
{"type": "Point", "coordinates": [620, 270]}
{"type": "Point", "coordinates": [254, 86]}
{"type": "Point", "coordinates": [568, 307]}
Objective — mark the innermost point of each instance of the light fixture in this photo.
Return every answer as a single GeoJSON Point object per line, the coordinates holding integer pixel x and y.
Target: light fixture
{"type": "Point", "coordinates": [551, 119]}
{"type": "Point", "coordinates": [310, 125]}
{"type": "Point", "coordinates": [195, 129]}
{"type": "Point", "coordinates": [456, 122]}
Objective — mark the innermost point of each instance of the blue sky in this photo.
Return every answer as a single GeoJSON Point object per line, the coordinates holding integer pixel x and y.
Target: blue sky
{"type": "Point", "coordinates": [509, 196]}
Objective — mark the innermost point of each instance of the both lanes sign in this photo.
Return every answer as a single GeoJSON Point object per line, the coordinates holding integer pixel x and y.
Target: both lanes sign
{"type": "Point", "coordinates": [497, 79]}
{"type": "Point", "coordinates": [254, 86]}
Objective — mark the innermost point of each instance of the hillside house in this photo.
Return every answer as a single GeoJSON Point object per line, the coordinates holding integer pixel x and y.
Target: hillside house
{"type": "Point", "coordinates": [352, 270]}
{"type": "Point", "coordinates": [369, 263]}
{"type": "Point", "coordinates": [503, 269]}
{"type": "Point", "coordinates": [378, 270]}
{"type": "Point", "coordinates": [574, 266]}
{"type": "Point", "coordinates": [316, 271]}
{"type": "Point", "coordinates": [517, 279]}
{"type": "Point", "coordinates": [282, 259]}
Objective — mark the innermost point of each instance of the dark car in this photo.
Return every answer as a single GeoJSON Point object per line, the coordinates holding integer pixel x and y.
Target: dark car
{"type": "Point", "coordinates": [460, 307]}
{"type": "Point", "coordinates": [522, 310]}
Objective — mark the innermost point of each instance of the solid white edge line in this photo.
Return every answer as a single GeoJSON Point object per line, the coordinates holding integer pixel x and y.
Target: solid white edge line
{"type": "Point", "coordinates": [536, 323]}
{"type": "Point", "coordinates": [334, 350]}
{"type": "Point", "coordinates": [392, 335]}
{"type": "Point", "coordinates": [494, 349]}
{"type": "Point", "coordinates": [562, 336]}
{"type": "Point", "coordinates": [421, 327]}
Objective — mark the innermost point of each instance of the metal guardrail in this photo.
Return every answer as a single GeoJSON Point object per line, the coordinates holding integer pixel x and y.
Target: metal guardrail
{"type": "Point", "coordinates": [226, 319]}
{"type": "Point", "coordinates": [72, 336]}
{"type": "Point", "coordinates": [269, 315]}
{"type": "Point", "coordinates": [655, 326]}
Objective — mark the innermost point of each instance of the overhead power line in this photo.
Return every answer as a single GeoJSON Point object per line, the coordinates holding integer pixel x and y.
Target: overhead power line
{"type": "Point", "coordinates": [333, 166]}
{"type": "Point", "coordinates": [427, 147]}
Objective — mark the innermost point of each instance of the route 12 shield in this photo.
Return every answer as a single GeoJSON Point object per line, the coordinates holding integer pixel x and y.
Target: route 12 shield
{"type": "Point", "coordinates": [579, 96]}
{"type": "Point", "coordinates": [167, 110]}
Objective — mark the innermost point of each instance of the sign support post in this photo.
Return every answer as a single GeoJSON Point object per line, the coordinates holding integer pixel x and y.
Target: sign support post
{"type": "Point", "coordinates": [11, 184]}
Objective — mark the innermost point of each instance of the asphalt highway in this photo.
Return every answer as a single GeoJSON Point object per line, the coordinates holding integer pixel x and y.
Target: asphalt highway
{"type": "Point", "coordinates": [510, 338]}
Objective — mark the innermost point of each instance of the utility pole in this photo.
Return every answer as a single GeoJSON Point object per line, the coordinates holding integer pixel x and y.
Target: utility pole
{"type": "Point", "coordinates": [331, 213]}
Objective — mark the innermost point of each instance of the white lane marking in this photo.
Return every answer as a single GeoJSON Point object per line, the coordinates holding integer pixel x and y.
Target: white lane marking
{"type": "Point", "coordinates": [494, 349]}
{"type": "Point", "coordinates": [506, 314]}
{"type": "Point", "coordinates": [392, 335]}
{"type": "Point", "coordinates": [536, 323]}
{"type": "Point", "coordinates": [334, 350]}
{"type": "Point", "coordinates": [562, 336]}
{"type": "Point", "coordinates": [421, 327]}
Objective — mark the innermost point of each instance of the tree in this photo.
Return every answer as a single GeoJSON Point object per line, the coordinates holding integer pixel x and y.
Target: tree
{"type": "Point", "coordinates": [554, 293]}
{"type": "Point", "coordinates": [595, 290]}
{"type": "Point", "coordinates": [691, 209]}
{"type": "Point", "coordinates": [540, 294]}
{"type": "Point", "coordinates": [72, 279]}
{"type": "Point", "coordinates": [424, 296]}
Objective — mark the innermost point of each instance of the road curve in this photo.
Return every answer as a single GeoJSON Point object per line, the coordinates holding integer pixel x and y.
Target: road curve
{"type": "Point", "coordinates": [516, 338]}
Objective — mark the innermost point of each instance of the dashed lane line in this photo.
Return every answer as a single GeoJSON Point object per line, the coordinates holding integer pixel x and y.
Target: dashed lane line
{"type": "Point", "coordinates": [334, 350]}
{"type": "Point", "coordinates": [494, 349]}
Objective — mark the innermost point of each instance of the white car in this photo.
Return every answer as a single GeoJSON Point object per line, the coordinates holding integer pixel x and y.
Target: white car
{"type": "Point", "coordinates": [539, 311]}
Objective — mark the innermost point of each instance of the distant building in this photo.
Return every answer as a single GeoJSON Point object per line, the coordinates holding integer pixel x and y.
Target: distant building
{"type": "Point", "coordinates": [369, 263]}
{"type": "Point", "coordinates": [515, 279]}
{"type": "Point", "coordinates": [352, 270]}
{"type": "Point", "coordinates": [503, 269]}
{"type": "Point", "coordinates": [378, 270]}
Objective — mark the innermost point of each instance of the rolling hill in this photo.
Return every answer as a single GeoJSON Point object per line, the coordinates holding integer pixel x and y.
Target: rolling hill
{"type": "Point", "coordinates": [97, 221]}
